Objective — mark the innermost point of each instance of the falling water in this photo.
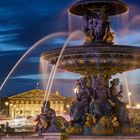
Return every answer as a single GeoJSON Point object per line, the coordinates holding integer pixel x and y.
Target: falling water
{"type": "Point", "coordinates": [48, 83]}
{"type": "Point", "coordinates": [75, 22]}
{"type": "Point", "coordinates": [37, 44]}
{"type": "Point", "coordinates": [123, 18]}
{"type": "Point", "coordinates": [129, 22]}
{"type": "Point", "coordinates": [134, 24]}
{"type": "Point", "coordinates": [44, 66]}
{"type": "Point", "coordinates": [48, 89]}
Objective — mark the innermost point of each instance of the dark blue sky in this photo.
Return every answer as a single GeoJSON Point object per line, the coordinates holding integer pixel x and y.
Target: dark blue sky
{"type": "Point", "coordinates": [23, 22]}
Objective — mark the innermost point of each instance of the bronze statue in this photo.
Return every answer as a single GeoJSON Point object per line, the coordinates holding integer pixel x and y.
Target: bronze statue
{"type": "Point", "coordinates": [100, 105]}
{"type": "Point", "coordinates": [46, 118]}
{"type": "Point", "coordinates": [81, 106]}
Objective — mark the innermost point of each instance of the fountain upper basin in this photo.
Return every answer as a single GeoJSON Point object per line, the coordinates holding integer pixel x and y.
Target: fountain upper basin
{"type": "Point", "coordinates": [86, 7]}
{"type": "Point", "coordinates": [106, 59]}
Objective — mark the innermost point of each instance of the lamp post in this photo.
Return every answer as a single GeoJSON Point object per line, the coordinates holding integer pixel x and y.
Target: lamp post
{"type": "Point", "coordinates": [6, 104]}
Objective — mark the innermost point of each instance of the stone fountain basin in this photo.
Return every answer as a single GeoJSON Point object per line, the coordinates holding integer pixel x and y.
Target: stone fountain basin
{"type": "Point", "coordinates": [85, 7]}
{"type": "Point", "coordinates": [94, 59]}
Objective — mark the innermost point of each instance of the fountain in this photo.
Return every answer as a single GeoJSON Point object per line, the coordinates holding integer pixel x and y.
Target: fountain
{"type": "Point", "coordinates": [98, 108]}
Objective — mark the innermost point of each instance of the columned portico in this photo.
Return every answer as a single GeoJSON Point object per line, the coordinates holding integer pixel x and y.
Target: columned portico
{"type": "Point", "coordinates": [29, 103]}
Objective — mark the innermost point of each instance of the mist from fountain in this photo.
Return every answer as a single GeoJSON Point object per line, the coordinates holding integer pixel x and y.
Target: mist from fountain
{"type": "Point", "coordinates": [37, 44]}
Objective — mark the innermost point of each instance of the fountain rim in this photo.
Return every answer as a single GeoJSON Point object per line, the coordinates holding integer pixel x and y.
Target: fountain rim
{"type": "Point", "coordinates": [71, 54]}
{"type": "Point", "coordinates": [77, 9]}
{"type": "Point", "coordinates": [94, 46]}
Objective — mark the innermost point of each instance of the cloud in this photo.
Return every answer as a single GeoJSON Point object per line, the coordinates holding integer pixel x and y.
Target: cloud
{"type": "Point", "coordinates": [11, 47]}
{"type": "Point", "coordinates": [59, 75]}
{"type": "Point", "coordinates": [10, 27]}
{"type": "Point", "coordinates": [8, 37]}
{"type": "Point", "coordinates": [132, 38]}
{"type": "Point", "coordinates": [34, 60]}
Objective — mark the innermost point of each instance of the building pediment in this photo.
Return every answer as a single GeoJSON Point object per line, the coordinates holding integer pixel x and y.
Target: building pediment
{"type": "Point", "coordinates": [34, 94]}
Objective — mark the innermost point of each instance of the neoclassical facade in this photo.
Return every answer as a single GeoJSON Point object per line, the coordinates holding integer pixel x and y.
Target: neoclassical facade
{"type": "Point", "coordinates": [29, 103]}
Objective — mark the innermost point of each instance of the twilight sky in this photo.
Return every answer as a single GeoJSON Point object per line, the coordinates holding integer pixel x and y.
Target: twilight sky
{"type": "Point", "coordinates": [23, 22]}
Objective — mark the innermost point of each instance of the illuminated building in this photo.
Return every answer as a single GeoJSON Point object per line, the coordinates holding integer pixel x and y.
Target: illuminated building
{"type": "Point", "coordinates": [29, 103]}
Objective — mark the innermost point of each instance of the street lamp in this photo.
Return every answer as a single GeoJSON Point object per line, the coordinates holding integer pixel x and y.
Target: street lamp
{"type": "Point", "coordinates": [68, 106]}
{"type": "Point", "coordinates": [128, 106]}
{"type": "Point", "coordinates": [76, 90]}
{"type": "Point", "coordinates": [129, 93]}
{"type": "Point", "coordinates": [138, 106]}
{"type": "Point", "coordinates": [6, 104]}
